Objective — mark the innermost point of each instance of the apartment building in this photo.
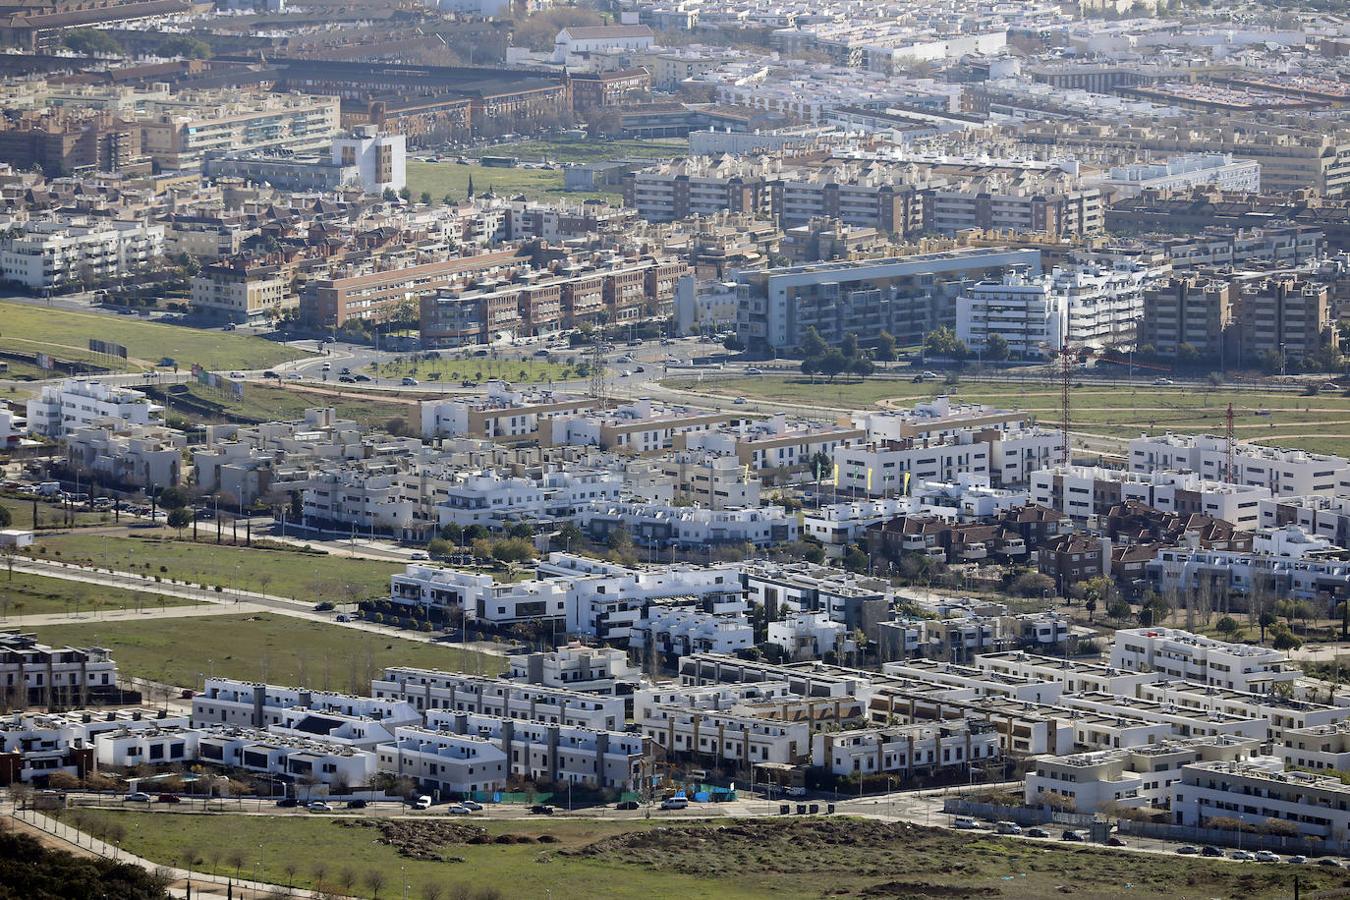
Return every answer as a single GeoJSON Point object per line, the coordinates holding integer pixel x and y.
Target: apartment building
{"type": "Point", "coordinates": [662, 524]}
{"type": "Point", "coordinates": [714, 482]}
{"type": "Point", "coordinates": [71, 405]}
{"type": "Point", "coordinates": [774, 443]}
{"type": "Point", "coordinates": [810, 635]}
{"type": "Point", "coordinates": [595, 670]}
{"type": "Point", "coordinates": [253, 704]}
{"type": "Point", "coordinates": [907, 750]}
{"type": "Point", "coordinates": [696, 186]}
{"type": "Point", "coordinates": [445, 764]}
{"type": "Point", "coordinates": [1190, 310]}
{"type": "Point", "coordinates": [678, 631]}
{"type": "Point", "coordinates": [493, 501]}
{"type": "Point", "coordinates": [640, 426]}
{"type": "Point", "coordinates": [1249, 576]}
{"type": "Point", "coordinates": [145, 457]}
{"type": "Point", "coordinates": [1285, 473]}
{"type": "Point", "coordinates": [1285, 317]}
{"type": "Point", "coordinates": [66, 252]}
{"type": "Point", "coordinates": [35, 674]}
{"type": "Point", "coordinates": [178, 133]}
{"type": "Point", "coordinates": [1320, 747]}
{"type": "Point", "coordinates": [1319, 515]}
{"type": "Point", "coordinates": [1259, 790]}
{"type": "Point", "coordinates": [238, 292]}
{"type": "Point", "coordinates": [498, 414]}
{"type": "Point", "coordinates": [380, 158]}
{"type": "Point", "coordinates": [297, 757]}
{"type": "Point", "coordinates": [892, 467]}
{"type": "Point", "coordinates": [855, 602]}
{"type": "Point", "coordinates": [907, 296]}
{"type": "Point", "coordinates": [428, 690]}
{"type": "Point", "coordinates": [1180, 654]}
{"type": "Point", "coordinates": [553, 753]}
{"type": "Point", "coordinates": [1084, 492]}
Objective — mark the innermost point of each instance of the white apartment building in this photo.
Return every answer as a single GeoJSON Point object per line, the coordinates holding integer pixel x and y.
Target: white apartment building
{"type": "Point", "coordinates": [682, 630]}
{"type": "Point", "coordinates": [35, 674]}
{"type": "Point", "coordinates": [55, 254]}
{"type": "Point", "coordinates": [1188, 171]}
{"type": "Point", "coordinates": [1259, 790]}
{"type": "Point", "coordinates": [381, 158]}
{"type": "Point", "coordinates": [1180, 654]}
{"type": "Point", "coordinates": [810, 635]}
{"type": "Point", "coordinates": [177, 132]}
{"type": "Point", "coordinates": [595, 670]}
{"type": "Point", "coordinates": [1318, 516]}
{"type": "Point", "coordinates": [840, 524]}
{"type": "Point", "coordinates": [663, 525]}
{"type": "Point", "coordinates": [1138, 777]}
{"type": "Point", "coordinates": [740, 735]}
{"type": "Point", "coordinates": [491, 500]}
{"type": "Point", "coordinates": [300, 758]}
{"type": "Point", "coordinates": [1246, 574]}
{"type": "Point", "coordinates": [148, 457]}
{"type": "Point", "coordinates": [390, 493]}
{"type": "Point", "coordinates": [772, 443]}
{"type": "Point", "coordinates": [544, 752]}
{"type": "Point", "coordinates": [73, 404]}
{"type": "Point", "coordinates": [881, 468]}
{"type": "Point", "coordinates": [1082, 492]}
{"type": "Point", "coordinates": [432, 689]}
{"type": "Point", "coordinates": [499, 414]}
{"type": "Point", "coordinates": [1285, 473]}
{"type": "Point", "coordinates": [1319, 747]}
{"type": "Point", "coordinates": [253, 704]}
{"type": "Point", "coordinates": [154, 746]}
{"type": "Point", "coordinates": [906, 750]}
{"type": "Point", "coordinates": [639, 427]}
{"type": "Point", "coordinates": [445, 764]}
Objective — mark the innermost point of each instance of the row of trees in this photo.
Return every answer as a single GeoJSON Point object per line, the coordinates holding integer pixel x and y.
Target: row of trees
{"type": "Point", "coordinates": [821, 359]}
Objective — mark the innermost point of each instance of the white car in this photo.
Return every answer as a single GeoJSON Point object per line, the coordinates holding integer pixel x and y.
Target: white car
{"type": "Point", "coordinates": [471, 805]}
{"type": "Point", "coordinates": [1266, 856]}
{"type": "Point", "coordinates": [318, 806]}
{"type": "Point", "coordinates": [418, 555]}
{"type": "Point", "coordinates": [236, 374]}
{"type": "Point", "coordinates": [458, 809]}
{"type": "Point", "coordinates": [137, 797]}
{"type": "Point", "coordinates": [965, 823]}
{"type": "Point", "coordinates": [740, 401]}
{"type": "Point", "coordinates": [1240, 854]}
{"type": "Point", "coordinates": [754, 371]}
{"type": "Point", "coordinates": [1163, 382]}
{"type": "Point", "coordinates": [410, 382]}
{"type": "Point", "coordinates": [422, 802]}
{"type": "Point", "coordinates": [294, 376]}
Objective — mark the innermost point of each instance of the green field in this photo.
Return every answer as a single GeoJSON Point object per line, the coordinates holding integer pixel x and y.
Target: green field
{"type": "Point", "coordinates": [588, 151]}
{"type": "Point", "coordinates": [66, 334]}
{"type": "Point", "coordinates": [270, 403]}
{"type": "Point", "coordinates": [721, 858]}
{"type": "Point", "coordinates": [452, 179]}
{"type": "Point", "coordinates": [32, 595]}
{"type": "Point", "coordinates": [451, 370]}
{"type": "Point", "coordinates": [49, 515]}
{"type": "Point", "coordinates": [302, 576]}
{"type": "Point", "coordinates": [260, 647]}
{"type": "Point", "coordinates": [1320, 424]}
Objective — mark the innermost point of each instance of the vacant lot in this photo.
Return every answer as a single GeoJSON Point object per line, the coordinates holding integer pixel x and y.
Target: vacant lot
{"type": "Point", "coordinates": [1320, 424]}
{"type": "Point", "coordinates": [451, 179]}
{"type": "Point", "coordinates": [451, 370]}
{"type": "Point", "coordinates": [302, 576]}
{"type": "Point", "coordinates": [270, 403]}
{"type": "Point", "coordinates": [589, 151]}
{"type": "Point", "coordinates": [261, 647]}
{"type": "Point", "coordinates": [727, 858]}
{"type": "Point", "coordinates": [32, 595]}
{"type": "Point", "coordinates": [66, 334]}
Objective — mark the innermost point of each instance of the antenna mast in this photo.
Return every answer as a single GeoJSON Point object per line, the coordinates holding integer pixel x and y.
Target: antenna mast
{"type": "Point", "coordinates": [1065, 374]}
{"type": "Point", "coordinates": [1228, 423]}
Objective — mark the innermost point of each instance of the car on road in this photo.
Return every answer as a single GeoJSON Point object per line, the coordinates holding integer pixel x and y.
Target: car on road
{"type": "Point", "coordinates": [1297, 860]}
{"type": "Point", "coordinates": [965, 823]}
{"type": "Point", "coordinates": [422, 802]}
{"type": "Point", "coordinates": [137, 797]}
{"type": "Point", "coordinates": [1245, 855]}
{"type": "Point", "coordinates": [458, 809]}
{"type": "Point", "coordinates": [540, 809]}
{"type": "Point", "coordinates": [1036, 833]}
{"type": "Point", "coordinates": [1076, 837]}
{"type": "Point", "coordinates": [169, 798]}
{"type": "Point", "coordinates": [327, 367]}
{"type": "Point", "coordinates": [346, 379]}
{"type": "Point", "coordinates": [356, 804]}
{"type": "Point", "coordinates": [343, 617]}
{"type": "Point", "coordinates": [318, 806]}
{"type": "Point", "coordinates": [345, 371]}
{"type": "Point", "coordinates": [740, 401]}
{"type": "Point", "coordinates": [419, 555]}
{"type": "Point", "coordinates": [409, 381]}
{"type": "Point", "coordinates": [675, 803]}
{"type": "Point", "coordinates": [1114, 841]}
{"type": "Point", "coordinates": [1187, 850]}
{"type": "Point", "coordinates": [626, 804]}
{"type": "Point", "coordinates": [1328, 862]}
{"type": "Point", "coordinates": [754, 371]}
{"type": "Point", "coordinates": [471, 805]}
{"type": "Point", "coordinates": [288, 802]}
{"type": "Point", "coordinates": [640, 369]}
{"type": "Point", "coordinates": [1163, 382]}
{"type": "Point", "coordinates": [1266, 856]}
{"type": "Point", "coordinates": [236, 374]}
{"type": "Point", "coordinates": [270, 374]}
{"type": "Point", "coordinates": [929, 376]}
{"type": "Point", "coordinates": [1007, 828]}
{"type": "Point", "coordinates": [468, 382]}
{"type": "Point", "coordinates": [1211, 851]}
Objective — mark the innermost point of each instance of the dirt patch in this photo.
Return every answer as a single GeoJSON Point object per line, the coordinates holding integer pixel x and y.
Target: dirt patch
{"type": "Point", "coordinates": [904, 890]}
{"type": "Point", "coordinates": [421, 839]}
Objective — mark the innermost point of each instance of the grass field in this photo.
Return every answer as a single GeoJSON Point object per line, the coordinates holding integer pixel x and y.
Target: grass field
{"type": "Point", "coordinates": [66, 334]}
{"type": "Point", "coordinates": [727, 858]}
{"type": "Point", "coordinates": [453, 369]}
{"type": "Point", "coordinates": [1320, 424]}
{"type": "Point", "coordinates": [32, 595]}
{"type": "Point", "coordinates": [588, 151]}
{"type": "Point", "coordinates": [268, 403]}
{"type": "Point", "coordinates": [452, 179]}
{"type": "Point", "coordinates": [302, 576]}
{"type": "Point", "coordinates": [49, 515]}
{"type": "Point", "coordinates": [260, 647]}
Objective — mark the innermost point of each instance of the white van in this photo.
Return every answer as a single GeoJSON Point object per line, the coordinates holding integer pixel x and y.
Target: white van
{"type": "Point", "coordinates": [422, 802]}
{"type": "Point", "coordinates": [675, 803]}
{"type": "Point", "coordinates": [1007, 828]}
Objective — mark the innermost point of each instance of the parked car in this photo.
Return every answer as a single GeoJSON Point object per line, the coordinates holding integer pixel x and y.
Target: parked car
{"type": "Point", "coordinates": [539, 809]}
{"type": "Point", "coordinates": [169, 798]}
{"type": "Point", "coordinates": [346, 379]}
{"type": "Point", "coordinates": [1007, 828]}
{"type": "Point", "coordinates": [270, 374]}
{"type": "Point", "coordinates": [323, 606]}
{"type": "Point", "coordinates": [137, 797]}
{"type": "Point", "coordinates": [1297, 860]}
{"type": "Point", "coordinates": [318, 806]}
{"type": "Point", "coordinates": [342, 617]}
{"type": "Point", "coordinates": [1114, 841]}
{"type": "Point", "coordinates": [236, 374]}
{"type": "Point", "coordinates": [471, 805]}
{"type": "Point", "coordinates": [1036, 833]}
{"type": "Point", "coordinates": [422, 802]}
{"type": "Point", "coordinates": [458, 809]}
{"type": "Point", "coordinates": [356, 804]}
{"type": "Point", "coordinates": [930, 376]}
{"type": "Point", "coordinates": [965, 823]}
{"type": "Point", "coordinates": [418, 554]}
{"type": "Point", "coordinates": [409, 381]}
{"type": "Point", "coordinates": [1266, 856]}
{"type": "Point", "coordinates": [1076, 837]}
{"type": "Point", "coordinates": [1211, 851]}
{"type": "Point", "coordinates": [288, 802]}
{"type": "Point", "coordinates": [627, 804]}
{"type": "Point", "coordinates": [1163, 382]}
{"type": "Point", "coordinates": [1328, 862]}
{"type": "Point", "coordinates": [1187, 850]}
{"type": "Point", "coordinates": [1240, 854]}
{"type": "Point", "coordinates": [752, 370]}
{"type": "Point", "coordinates": [675, 803]}
{"type": "Point", "coordinates": [739, 401]}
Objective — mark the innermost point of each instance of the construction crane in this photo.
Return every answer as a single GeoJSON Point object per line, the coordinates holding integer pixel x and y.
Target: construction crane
{"type": "Point", "coordinates": [599, 386]}
{"type": "Point", "coordinates": [1068, 355]}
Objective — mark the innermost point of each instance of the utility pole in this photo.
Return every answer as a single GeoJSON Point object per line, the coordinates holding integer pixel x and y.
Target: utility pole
{"type": "Point", "coordinates": [1228, 426]}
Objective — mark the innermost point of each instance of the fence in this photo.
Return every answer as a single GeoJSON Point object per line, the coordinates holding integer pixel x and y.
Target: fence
{"type": "Point", "coordinates": [1022, 815]}
{"type": "Point", "coordinates": [1225, 838]}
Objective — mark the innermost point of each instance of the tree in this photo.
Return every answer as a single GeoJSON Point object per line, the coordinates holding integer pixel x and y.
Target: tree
{"type": "Point", "coordinates": [1118, 609]}
{"type": "Point", "coordinates": [405, 194]}
{"type": "Point", "coordinates": [1266, 620]}
{"type": "Point", "coordinates": [375, 880]}
{"type": "Point", "coordinates": [346, 879]}
{"type": "Point", "coordinates": [453, 533]}
{"type": "Point", "coordinates": [1032, 584]}
{"type": "Point", "coordinates": [733, 343]}
{"type": "Point", "coordinates": [943, 342]}
{"type": "Point", "coordinates": [91, 41]}
{"type": "Point", "coordinates": [1227, 626]}
{"type": "Point", "coordinates": [996, 347]}
{"type": "Point", "coordinates": [849, 346]}
{"type": "Point", "coordinates": [173, 497]}
{"type": "Point", "coordinates": [821, 464]}
{"type": "Point", "coordinates": [5, 517]}
{"type": "Point", "coordinates": [390, 195]}
{"type": "Point", "coordinates": [184, 46]}
{"type": "Point", "coordinates": [426, 198]}
{"type": "Point", "coordinates": [398, 427]}
{"type": "Point", "coordinates": [856, 559]}
{"type": "Point", "coordinates": [567, 535]}
{"type": "Point", "coordinates": [862, 367]}
{"type": "Point", "coordinates": [833, 363]}
{"type": "Point", "coordinates": [1281, 638]}
{"type": "Point", "coordinates": [180, 518]}
{"type": "Point", "coordinates": [812, 343]}
{"type": "Point", "coordinates": [811, 367]}
{"type": "Point", "coordinates": [885, 349]}
{"type": "Point", "coordinates": [1154, 610]}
